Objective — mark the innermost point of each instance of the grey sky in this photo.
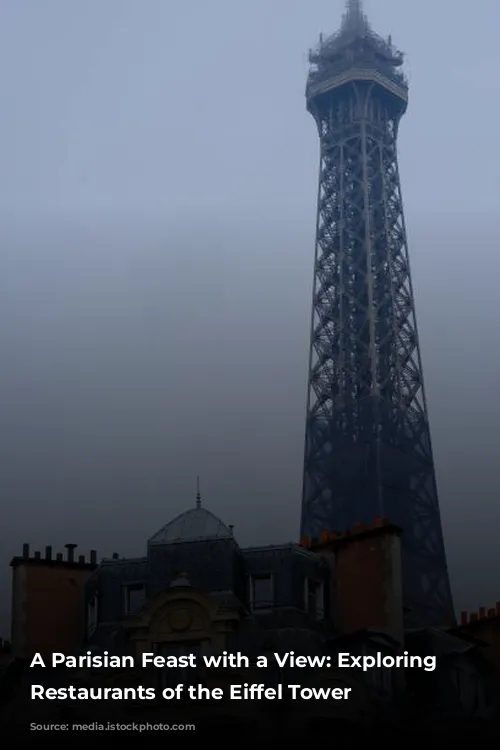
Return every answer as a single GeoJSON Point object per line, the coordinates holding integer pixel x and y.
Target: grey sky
{"type": "Point", "coordinates": [157, 205]}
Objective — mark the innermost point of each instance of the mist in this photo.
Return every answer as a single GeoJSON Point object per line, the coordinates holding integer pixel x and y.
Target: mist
{"type": "Point", "coordinates": [157, 200]}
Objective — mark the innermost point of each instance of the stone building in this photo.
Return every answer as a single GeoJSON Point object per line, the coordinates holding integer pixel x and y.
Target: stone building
{"type": "Point", "coordinates": [48, 610]}
{"type": "Point", "coordinates": [197, 591]}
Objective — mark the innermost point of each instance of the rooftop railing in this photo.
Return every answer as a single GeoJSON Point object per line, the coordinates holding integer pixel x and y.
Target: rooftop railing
{"type": "Point", "coordinates": [326, 71]}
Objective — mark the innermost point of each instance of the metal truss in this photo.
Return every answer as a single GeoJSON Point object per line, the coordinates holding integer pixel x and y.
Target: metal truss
{"type": "Point", "coordinates": [368, 449]}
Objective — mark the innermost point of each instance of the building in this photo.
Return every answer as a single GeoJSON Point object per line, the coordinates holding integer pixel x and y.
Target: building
{"type": "Point", "coordinates": [47, 605]}
{"type": "Point", "coordinates": [196, 591]}
{"type": "Point", "coordinates": [368, 448]}
{"type": "Point", "coordinates": [484, 626]}
{"type": "Point", "coordinates": [375, 587]}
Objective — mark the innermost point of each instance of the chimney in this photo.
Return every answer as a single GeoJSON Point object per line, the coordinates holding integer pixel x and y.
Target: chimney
{"type": "Point", "coordinates": [38, 555]}
{"type": "Point", "coordinates": [366, 589]}
{"type": "Point", "coordinates": [93, 557]}
{"type": "Point", "coordinates": [59, 557]}
{"type": "Point", "coordinates": [26, 551]}
{"type": "Point", "coordinates": [115, 556]}
{"type": "Point", "coordinates": [48, 553]}
{"type": "Point", "coordinates": [71, 551]}
{"type": "Point", "coordinates": [81, 560]}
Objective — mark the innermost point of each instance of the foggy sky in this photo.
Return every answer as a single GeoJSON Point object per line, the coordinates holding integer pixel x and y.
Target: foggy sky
{"type": "Point", "coordinates": [157, 206]}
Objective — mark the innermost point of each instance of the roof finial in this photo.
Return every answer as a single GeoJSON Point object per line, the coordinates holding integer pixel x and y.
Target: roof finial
{"type": "Point", "coordinates": [198, 496]}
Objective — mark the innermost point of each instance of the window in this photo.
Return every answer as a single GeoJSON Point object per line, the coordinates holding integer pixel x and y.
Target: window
{"type": "Point", "coordinates": [135, 596]}
{"type": "Point", "coordinates": [172, 676]}
{"type": "Point", "coordinates": [92, 615]}
{"type": "Point", "coordinates": [315, 598]}
{"type": "Point", "coordinates": [468, 690]}
{"type": "Point", "coordinates": [382, 678]}
{"type": "Point", "coordinates": [261, 591]}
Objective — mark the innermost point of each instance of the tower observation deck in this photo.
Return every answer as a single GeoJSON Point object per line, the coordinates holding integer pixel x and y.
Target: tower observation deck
{"type": "Point", "coordinates": [368, 449]}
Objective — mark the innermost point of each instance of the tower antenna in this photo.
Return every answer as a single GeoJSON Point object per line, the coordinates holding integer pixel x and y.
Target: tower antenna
{"type": "Point", "coordinates": [354, 8]}
{"type": "Point", "coordinates": [354, 18]}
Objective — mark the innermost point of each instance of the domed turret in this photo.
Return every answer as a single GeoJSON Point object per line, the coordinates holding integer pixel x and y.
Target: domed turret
{"type": "Point", "coordinates": [194, 525]}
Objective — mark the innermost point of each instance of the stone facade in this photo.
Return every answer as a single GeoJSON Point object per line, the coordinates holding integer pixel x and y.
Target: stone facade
{"type": "Point", "coordinates": [48, 610]}
{"type": "Point", "coordinates": [197, 591]}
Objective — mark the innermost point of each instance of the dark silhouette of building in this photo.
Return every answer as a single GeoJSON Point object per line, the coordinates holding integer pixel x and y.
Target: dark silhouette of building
{"type": "Point", "coordinates": [197, 591]}
{"type": "Point", "coordinates": [368, 447]}
{"type": "Point", "coordinates": [48, 609]}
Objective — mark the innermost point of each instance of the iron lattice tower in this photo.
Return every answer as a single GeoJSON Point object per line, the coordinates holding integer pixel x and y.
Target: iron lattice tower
{"type": "Point", "coordinates": [368, 449]}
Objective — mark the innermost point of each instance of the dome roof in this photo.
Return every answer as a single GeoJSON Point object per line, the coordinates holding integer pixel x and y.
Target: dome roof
{"type": "Point", "coordinates": [196, 524]}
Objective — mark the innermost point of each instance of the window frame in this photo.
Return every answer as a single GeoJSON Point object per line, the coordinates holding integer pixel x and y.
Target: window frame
{"type": "Point", "coordinates": [127, 587]}
{"type": "Point", "coordinates": [92, 622]}
{"type": "Point", "coordinates": [318, 613]}
{"type": "Point", "coordinates": [266, 605]}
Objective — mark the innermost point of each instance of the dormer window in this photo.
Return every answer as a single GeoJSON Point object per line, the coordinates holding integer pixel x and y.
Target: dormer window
{"type": "Point", "coordinates": [261, 591]}
{"type": "Point", "coordinates": [135, 596]}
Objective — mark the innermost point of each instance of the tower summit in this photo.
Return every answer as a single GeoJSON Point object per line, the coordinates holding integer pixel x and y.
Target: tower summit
{"type": "Point", "coordinates": [367, 449]}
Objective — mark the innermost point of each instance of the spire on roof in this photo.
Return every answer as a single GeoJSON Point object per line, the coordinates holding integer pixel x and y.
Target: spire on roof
{"type": "Point", "coordinates": [198, 496]}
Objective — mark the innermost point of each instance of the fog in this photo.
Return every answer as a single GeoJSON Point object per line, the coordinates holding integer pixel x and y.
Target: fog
{"type": "Point", "coordinates": [157, 203]}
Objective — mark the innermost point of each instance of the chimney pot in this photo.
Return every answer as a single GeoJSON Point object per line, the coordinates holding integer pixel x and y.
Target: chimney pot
{"type": "Point", "coordinates": [93, 557]}
{"type": "Point", "coordinates": [48, 553]}
{"type": "Point", "coordinates": [26, 551]}
{"type": "Point", "coordinates": [81, 559]}
{"type": "Point", "coordinates": [37, 555]}
{"type": "Point", "coordinates": [59, 557]}
{"type": "Point", "coordinates": [464, 618]}
{"type": "Point", "coordinates": [71, 551]}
